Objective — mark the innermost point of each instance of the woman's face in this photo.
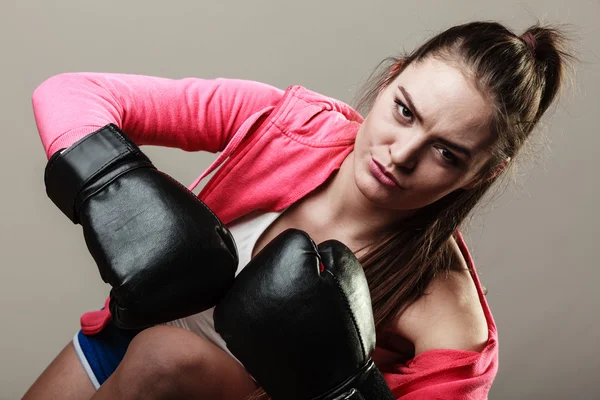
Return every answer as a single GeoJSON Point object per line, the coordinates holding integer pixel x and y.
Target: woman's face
{"type": "Point", "coordinates": [426, 136]}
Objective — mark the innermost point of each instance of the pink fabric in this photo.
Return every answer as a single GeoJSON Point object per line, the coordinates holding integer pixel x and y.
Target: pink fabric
{"type": "Point", "coordinates": [449, 374]}
{"type": "Point", "coordinates": [191, 114]}
{"type": "Point", "coordinates": [276, 147]}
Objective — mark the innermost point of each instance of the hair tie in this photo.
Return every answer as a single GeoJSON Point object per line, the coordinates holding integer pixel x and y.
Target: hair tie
{"type": "Point", "coordinates": [530, 41]}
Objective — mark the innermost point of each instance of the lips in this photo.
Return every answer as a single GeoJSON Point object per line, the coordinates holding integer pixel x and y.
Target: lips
{"type": "Point", "coordinates": [382, 175]}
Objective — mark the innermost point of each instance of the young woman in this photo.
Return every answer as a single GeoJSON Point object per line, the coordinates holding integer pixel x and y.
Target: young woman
{"type": "Point", "coordinates": [441, 125]}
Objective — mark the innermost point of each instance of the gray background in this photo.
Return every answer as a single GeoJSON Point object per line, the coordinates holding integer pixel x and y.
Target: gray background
{"type": "Point", "coordinates": [535, 246]}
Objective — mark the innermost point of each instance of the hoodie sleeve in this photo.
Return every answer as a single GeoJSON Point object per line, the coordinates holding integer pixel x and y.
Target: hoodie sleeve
{"type": "Point", "coordinates": [191, 114]}
{"type": "Point", "coordinates": [445, 374]}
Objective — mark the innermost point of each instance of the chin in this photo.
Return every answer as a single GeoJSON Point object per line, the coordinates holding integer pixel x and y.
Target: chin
{"type": "Point", "coordinates": [374, 192]}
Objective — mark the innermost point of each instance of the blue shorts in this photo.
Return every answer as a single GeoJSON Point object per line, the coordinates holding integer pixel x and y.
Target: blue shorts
{"type": "Point", "coordinates": [100, 354]}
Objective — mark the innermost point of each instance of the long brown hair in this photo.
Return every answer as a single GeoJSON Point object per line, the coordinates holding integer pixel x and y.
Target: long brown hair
{"type": "Point", "coordinates": [521, 76]}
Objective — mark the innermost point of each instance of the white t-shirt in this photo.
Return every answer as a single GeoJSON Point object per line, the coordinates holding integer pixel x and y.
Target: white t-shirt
{"type": "Point", "coordinates": [245, 232]}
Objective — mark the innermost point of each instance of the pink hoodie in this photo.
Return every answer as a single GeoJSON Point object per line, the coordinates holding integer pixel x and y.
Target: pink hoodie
{"type": "Point", "coordinates": [276, 146]}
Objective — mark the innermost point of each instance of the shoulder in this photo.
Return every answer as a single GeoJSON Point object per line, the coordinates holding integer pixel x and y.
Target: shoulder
{"type": "Point", "coordinates": [449, 315]}
{"type": "Point", "coordinates": [307, 113]}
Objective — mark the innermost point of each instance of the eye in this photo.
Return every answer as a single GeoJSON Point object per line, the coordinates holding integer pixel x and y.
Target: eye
{"type": "Point", "coordinates": [404, 112]}
{"type": "Point", "coordinates": [448, 156]}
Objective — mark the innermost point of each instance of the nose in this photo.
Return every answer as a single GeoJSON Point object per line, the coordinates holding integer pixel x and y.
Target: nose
{"type": "Point", "coordinates": [404, 152]}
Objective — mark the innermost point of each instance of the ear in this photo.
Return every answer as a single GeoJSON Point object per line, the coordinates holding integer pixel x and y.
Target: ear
{"type": "Point", "coordinates": [395, 68]}
{"type": "Point", "coordinates": [492, 175]}
{"type": "Point", "coordinates": [499, 168]}
{"type": "Point", "coordinates": [392, 74]}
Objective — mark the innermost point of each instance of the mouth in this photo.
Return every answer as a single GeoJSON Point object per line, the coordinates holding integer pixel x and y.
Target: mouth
{"type": "Point", "coordinates": [382, 175]}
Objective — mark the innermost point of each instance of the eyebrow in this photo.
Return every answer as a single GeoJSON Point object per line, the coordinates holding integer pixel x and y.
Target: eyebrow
{"type": "Point", "coordinates": [410, 103]}
{"type": "Point", "coordinates": [455, 146]}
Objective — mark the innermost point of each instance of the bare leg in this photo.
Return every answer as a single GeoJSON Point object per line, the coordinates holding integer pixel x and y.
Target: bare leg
{"type": "Point", "coordinates": [63, 379]}
{"type": "Point", "coordinates": [166, 362]}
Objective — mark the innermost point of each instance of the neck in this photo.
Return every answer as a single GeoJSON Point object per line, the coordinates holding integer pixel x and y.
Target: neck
{"type": "Point", "coordinates": [343, 208]}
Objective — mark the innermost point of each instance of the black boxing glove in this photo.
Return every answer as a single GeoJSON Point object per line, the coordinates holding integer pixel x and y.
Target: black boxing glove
{"type": "Point", "coordinates": [163, 251]}
{"type": "Point", "coordinates": [299, 318]}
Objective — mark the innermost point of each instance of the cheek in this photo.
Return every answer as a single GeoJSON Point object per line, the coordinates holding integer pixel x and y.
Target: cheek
{"type": "Point", "coordinates": [360, 136]}
{"type": "Point", "coordinates": [374, 125]}
{"type": "Point", "coordinates": [363, 142]}
{"type": "Point", "coordinates": [434, 184]}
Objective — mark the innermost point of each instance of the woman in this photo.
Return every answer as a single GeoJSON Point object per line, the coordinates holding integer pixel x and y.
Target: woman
{"type": "Point", "coordinates": [442, 124]}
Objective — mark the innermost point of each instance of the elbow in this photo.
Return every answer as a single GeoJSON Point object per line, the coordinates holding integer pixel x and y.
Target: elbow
{"type": "Point", "coordinates": [49, 86]}
{"type": "Point", "coordinates": [51, 103]}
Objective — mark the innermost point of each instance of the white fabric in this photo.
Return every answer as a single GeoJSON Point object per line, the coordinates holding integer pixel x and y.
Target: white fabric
{"type": "Point", "coordinates": [245, 232]}
{"type": "Point", "coordinates": [84, 362]}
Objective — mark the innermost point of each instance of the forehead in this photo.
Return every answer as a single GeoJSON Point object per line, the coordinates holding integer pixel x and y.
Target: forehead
{"type": "Point", "coordinates": [448, 101]}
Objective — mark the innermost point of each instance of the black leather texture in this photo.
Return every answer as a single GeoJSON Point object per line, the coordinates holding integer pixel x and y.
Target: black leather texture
{"type": "Point", "coordinates": [163, 251]}
{"type": "Point", "coordinates": [299, 318]}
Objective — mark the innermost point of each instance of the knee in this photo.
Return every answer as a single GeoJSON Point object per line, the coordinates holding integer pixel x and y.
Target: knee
{"type": "Point", "coordinates": [157, 358]}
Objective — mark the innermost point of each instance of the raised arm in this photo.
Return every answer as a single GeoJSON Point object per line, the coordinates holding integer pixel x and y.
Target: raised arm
{"type": "Point", "coordinates": [191, 114]}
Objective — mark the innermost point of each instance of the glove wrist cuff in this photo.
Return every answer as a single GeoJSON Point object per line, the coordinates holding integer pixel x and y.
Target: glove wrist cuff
{"type": "Point", "coordinates": [69, 171]}
{"type": "Point", "coordinates": [351, 394]}
{"type": "Point", "coordinates": [367, 384]}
